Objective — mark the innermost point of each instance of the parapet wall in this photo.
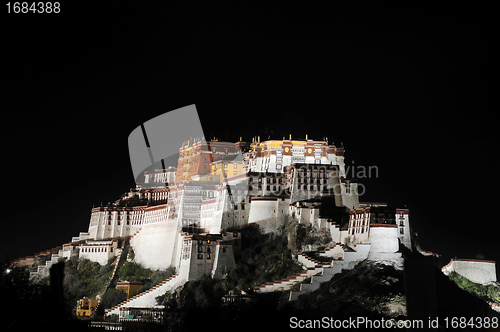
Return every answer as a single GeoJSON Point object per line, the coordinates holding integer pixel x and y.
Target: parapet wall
{"type": "Point", "coordinates": [383, 238]}
{"type": "Point", "coordinates": [478, 271]}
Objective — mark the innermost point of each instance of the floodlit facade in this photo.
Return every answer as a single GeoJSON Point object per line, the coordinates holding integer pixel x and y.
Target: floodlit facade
{"type": "Point", "coordinates": [189, 217]}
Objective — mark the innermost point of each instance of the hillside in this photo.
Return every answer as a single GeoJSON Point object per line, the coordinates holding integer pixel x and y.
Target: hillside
{"type": "Point", "coordinates": [369, 290]}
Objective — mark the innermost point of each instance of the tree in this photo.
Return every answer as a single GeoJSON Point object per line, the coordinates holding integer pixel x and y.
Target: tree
{"type": "Point", "coordinates": [112, 297]}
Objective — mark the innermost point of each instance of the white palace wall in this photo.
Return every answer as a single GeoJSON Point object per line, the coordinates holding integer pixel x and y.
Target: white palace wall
{"type": "Point", "coordinates": [268, 212]}
{"type": "Point", "coordinates": [478, 271]}
{"type": "Point", "coordinates": [384, 245]}
{"type": "Point", "coordinates": [113, 222]}
{"type": "Point", "coordinates": [154, 245]}
{"type": "Point", "coordinates": [383, 238]}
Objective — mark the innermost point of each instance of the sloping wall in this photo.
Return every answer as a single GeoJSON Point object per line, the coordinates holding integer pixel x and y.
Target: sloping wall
{"type": "Point", "coordinates": [154, 246]}
{"type": "Point", "coordinates": [478, 271]}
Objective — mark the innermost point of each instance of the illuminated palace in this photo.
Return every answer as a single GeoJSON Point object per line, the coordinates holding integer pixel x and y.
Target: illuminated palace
{"type": "Point", "coordinates": [190, 217]}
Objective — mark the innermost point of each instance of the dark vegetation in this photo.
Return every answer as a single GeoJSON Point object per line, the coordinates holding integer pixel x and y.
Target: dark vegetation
{"type": "Point", "coordinates": [369, 290]}
{"type": "Point", "coordinates": [489, 293]}
{"type": "Point", "coordinates": [84, 278]}
{"type": "Point", "coordinates": [198, 306]}
{"type": "Point", "coordinates": [264, 258]}
{"type": "Point", "coordinates": [306, 235]}
{"type": "Point", "coordinates": [27, 306]}
{"type": "Point", "coordinates": [87, 278]}
{"type": "Point", "coordinates": [131, 271]}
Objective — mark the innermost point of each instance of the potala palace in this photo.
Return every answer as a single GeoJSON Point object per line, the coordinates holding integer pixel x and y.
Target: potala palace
{"type": "Point", "coordinates": [190, 216]}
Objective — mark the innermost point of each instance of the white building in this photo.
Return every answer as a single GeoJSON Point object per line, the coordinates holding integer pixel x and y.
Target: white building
{"type": "Point", "coordinates": [160, 176]}
{"type": "Point", "coordinates": [275, 155]}
{"type": "Point", "coordinates": [98, 251]}
{"type": "Point", "coordinates": [476, 270]}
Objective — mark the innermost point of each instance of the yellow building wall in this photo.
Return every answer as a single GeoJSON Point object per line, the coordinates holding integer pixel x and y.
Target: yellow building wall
{"type": "Point", "coordinates": [85, 307]}
{"type": "Point", "coordinates": [229, 169]}
{"type": "Point", "coordinates": [128, 289]}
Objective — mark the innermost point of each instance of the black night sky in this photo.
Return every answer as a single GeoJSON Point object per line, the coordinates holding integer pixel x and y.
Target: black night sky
{"type": "Point", "coordinates": [411, 90]}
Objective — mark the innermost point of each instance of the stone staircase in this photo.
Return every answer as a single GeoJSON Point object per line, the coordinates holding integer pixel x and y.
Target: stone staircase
{"type": "Point", "coordinates": [43, 271]}
{"type": "Point", "coordinates": [326, 274]}
{"type": "Point", "coordinates": [147, 299]}
{"type": "Point", "coordinates": [317, 272]}
{"type": "Point", "coordinates": [336, 251]}
{"type": "Point", "coordinates": [312, 267]}
{"type": "Point", "coordinates": [123, 251]}
{"type": "Point", "coordinates": [133, 235]}
{"type": "Point", "coordinates": [350, 259]}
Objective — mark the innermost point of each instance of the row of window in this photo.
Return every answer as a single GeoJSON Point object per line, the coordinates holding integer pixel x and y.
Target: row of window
{"type": "Point", "coordinates": [208, 251]}
{"type": "Point", "coordinates": [242, 206]}
{"type": "Point", "coordinates": [357, 230]}
{"type": "Point", "coordinates": [362, 230]}
{"type": "Point", "coordinates": [190, 222]}
{"type": "Point", "coordinates": [268, 180]}
{"type": "Point", "coordinates": [200, 256]}
{"type": "Point", "coordinates": [320, 175]}
{"type": "Point", "coordinates": [137, 221]}
{"type": "Point", "coordinates": [99, 249]}
{"type": "Point", "coordinates": [268, 188]}
{"type": "Point", "coordinates": [235, 166]}
{"type": "Point", "coordinates": [311, 187]}
{"type": "Point", "coordinates": [317, 181]}
{"type": "Point", "coordinates": [117, 222]}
